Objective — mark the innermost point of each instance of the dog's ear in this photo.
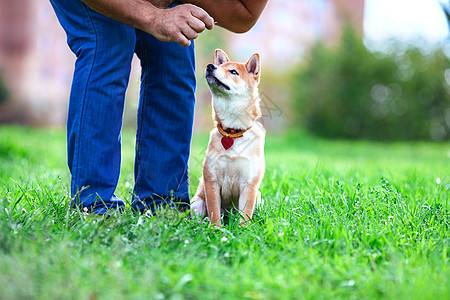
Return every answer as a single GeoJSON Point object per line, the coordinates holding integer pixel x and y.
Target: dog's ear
{"type": "Point", "coordinates": [253, 66]}
{"type": "Point", "coordinates": [220, 57]}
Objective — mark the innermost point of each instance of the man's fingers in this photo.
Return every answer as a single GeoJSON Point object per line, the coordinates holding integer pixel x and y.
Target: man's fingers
{"type": "Point", "coordinates": [197, 25]}
{"type": "Point", "coordinates": [182, 40]}
{"type": "Point", "coordinates": [203, 16]}
{"type": "Point", "coordinates": [185, 42]}
{"type": "Point", "coordinates": [189, 33]}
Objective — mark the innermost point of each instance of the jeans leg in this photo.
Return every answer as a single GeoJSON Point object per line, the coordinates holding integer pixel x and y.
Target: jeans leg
{"type": "Point", "coordinates": [165, 120]}
{"type": "Point", "coordinates": [104, 50]}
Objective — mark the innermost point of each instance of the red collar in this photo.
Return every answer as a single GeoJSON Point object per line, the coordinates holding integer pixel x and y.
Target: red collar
{"type": "Point", "coordinates": [229, 134]}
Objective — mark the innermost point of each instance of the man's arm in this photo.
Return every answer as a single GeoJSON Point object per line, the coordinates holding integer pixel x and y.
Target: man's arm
{"type": "Point", "coordinates": [178, 24]}
{"type": "Point", "coordinates": [235, 15]}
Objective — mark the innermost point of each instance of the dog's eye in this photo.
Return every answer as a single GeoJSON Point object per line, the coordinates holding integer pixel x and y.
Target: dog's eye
{"type": "Point", "coordinates": [234, 72]}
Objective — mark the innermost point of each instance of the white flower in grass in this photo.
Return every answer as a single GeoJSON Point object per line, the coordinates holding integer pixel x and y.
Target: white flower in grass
{"type": "Point", "coordinates": [118, 264]}
{"type": "Point", "coordinates": [438, 180]}
{"type": "Point", "coordinates": [224, 239]}
{"type": "Point", "coordinates": [351, 282]}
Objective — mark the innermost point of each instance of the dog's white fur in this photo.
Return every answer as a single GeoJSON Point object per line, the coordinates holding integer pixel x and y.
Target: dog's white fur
{"type": "Point", "coordinates": [231, 178]}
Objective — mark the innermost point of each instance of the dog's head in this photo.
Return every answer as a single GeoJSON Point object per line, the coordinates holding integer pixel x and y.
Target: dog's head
{"type": "Point", "coordinates": [229, 79]}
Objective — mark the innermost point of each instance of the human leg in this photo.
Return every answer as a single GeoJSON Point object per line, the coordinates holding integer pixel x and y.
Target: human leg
{"type": "Point", "coordinates": [104, 49]}
{"type": "Point", "coordinates": [165, 120]}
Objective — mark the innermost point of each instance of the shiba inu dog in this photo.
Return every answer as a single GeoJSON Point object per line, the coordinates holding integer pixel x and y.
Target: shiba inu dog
{"type": "Point", "coordinates": [234, 164]}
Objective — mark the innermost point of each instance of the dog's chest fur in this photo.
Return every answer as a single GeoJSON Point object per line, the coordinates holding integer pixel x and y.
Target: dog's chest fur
{"type": "Point", "coordinates": [237, 167]}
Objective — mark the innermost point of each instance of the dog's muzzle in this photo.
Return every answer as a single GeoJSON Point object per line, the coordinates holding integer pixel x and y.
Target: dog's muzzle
{"type": "Point", "coordinates": [210, 68]}
{"type": "Point", "coordinates": [212, 79]}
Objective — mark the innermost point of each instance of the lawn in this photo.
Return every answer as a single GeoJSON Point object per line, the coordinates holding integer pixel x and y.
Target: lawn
{"type": "Point", "coordinates": [341, 220]}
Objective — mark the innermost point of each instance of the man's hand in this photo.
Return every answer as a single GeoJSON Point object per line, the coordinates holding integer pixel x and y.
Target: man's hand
{"type": "Point", "coordinates": [180, 24]}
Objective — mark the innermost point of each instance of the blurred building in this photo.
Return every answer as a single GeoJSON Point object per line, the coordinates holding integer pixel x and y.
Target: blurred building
{"type": "Point", "coordinates": [37, 65]}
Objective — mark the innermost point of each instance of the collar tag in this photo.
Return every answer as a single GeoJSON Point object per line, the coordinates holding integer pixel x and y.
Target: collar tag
{"type": "Point", "coordinates": [227, 142]}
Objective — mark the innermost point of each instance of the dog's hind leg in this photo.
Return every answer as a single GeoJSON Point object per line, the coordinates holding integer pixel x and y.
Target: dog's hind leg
{"type": "Point", "coordinates": [259, 200]}
{"type": "Point", "coordinates": [198, 205]}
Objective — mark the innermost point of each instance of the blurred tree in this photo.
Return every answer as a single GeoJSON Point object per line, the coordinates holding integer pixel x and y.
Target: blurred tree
{"type": "Point", "coordinates": [350, 92]}
{"type": "Point", "coordinates": [445, 4]}
{"type": "Point", "coordinates": [4, 94]}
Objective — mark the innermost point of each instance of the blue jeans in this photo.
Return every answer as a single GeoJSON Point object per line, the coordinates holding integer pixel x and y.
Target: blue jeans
{"type": "Point", "coordinates": [104, 49]}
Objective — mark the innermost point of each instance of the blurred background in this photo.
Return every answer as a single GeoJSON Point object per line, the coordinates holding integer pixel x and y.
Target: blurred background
{"type": "Point", "coordinates": [354, 69]}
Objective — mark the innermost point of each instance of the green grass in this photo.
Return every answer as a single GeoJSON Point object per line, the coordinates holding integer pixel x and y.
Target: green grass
{"type": "Point", "coordinates": [342, 219]}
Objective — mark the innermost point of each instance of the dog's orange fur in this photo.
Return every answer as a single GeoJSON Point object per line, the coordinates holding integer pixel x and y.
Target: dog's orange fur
{"type": "Point", "coordinates": [231, 178]}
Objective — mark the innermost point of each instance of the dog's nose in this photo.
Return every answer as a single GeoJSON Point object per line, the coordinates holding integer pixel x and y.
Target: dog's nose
{"type": "Point", "coordinates": [210, 67]}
